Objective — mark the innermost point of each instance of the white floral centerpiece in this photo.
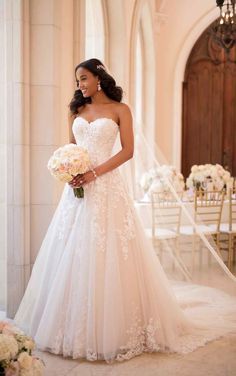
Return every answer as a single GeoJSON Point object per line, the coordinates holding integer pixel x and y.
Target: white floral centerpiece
{"type": "Point", "coordinates": [67, 162]}
{"type": "Point", "coordinates": [160, 179]}
{"type": "Point", "coordinates": [16, 357]}
{"type": "Point", "coordinates": [209, 177]}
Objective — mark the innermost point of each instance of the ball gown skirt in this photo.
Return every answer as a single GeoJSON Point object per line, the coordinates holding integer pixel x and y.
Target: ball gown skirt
{"type": "Point", "coordinates": [97, 289]}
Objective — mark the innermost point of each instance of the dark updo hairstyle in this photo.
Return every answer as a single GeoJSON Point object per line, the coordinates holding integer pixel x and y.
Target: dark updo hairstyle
{"type": "Point", "coordinates": [107, 83]}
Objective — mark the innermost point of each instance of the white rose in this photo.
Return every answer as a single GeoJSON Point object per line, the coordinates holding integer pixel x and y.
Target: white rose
{"type": "Point", "coordinates": [11, 329]}
{"type": "Point", "coordinates": [8, 347]}
{"type": "Point", "coordinates": [38, 367]}
{"type": "Point", "coordinates": [214, 175]}
{"type": "Point", "coordinates": [194, 168]}
{"type": "Point", "coordinates": [230, 183]}
{"type": "Point", "coordinates": [25, 360]}
{"type": "Point", "coordinates": [199, 177]}
{"type": "Point", "coordinates": [180, 176]}
{"type": "Point", "coordinates": [13, 369]}
{"type": "Point", "coordinates": [156, 187]}
{"type": "Point", "coordinates": [226, 176]}
{"type": "Point", "coordinates": [65, 178]}
{"type": "Point", "coordinates": [29, 344]}
{"type": "Point", "coordinates": [219, 184]}
{"type": "Point", "coordinates": [207, 172]}
{"type": "Point", "coordinates": [189, 183]}
{"type": "Point", "coordinates": [153, 172]}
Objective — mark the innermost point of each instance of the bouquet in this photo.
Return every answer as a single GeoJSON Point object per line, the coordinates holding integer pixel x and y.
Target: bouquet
{"type": "Point", "coordinates": [67, 162]}
{"type": "Point", "coordinates": [16, 357]}
{"type": "Point", "coordinates": [160, 179]}
{"type": "Point", "coordinates": [208, 176]}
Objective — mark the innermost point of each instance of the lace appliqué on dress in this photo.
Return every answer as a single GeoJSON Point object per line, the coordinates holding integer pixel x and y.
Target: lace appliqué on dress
{"type": "Point", "coordinates": [65, 214]}
{"type": "Point", "coordinates": [127, 232]}
{"type": "Point", "coordinates": [142, 338]}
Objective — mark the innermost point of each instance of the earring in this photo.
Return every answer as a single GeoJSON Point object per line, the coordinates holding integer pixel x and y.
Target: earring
{"type": "Point", "coordinates": [99, 86]}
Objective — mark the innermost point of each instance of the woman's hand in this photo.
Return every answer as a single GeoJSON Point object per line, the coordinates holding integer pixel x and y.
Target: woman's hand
{"type": "Point", "coordinates": [82, 179]}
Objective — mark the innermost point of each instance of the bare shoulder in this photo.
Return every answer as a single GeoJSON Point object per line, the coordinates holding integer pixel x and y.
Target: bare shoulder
{"type": "Point", "coordinates": [123, 108]}
{"type": "Point", "coordinates": [123, 112]}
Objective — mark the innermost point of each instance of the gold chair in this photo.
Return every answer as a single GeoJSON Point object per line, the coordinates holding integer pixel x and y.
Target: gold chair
{"type": "Point", "coordinates": [166, 218]}
{"type": "Point", "coordinates": [207, 216]}
{"type": "Point", "coordinates": [229, 228]}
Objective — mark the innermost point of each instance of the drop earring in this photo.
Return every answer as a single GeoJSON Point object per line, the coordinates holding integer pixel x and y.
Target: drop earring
{"type": "Point", "coordinates": [99, 86]}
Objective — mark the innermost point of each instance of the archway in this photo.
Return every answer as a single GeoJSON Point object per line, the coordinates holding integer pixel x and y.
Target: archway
{"type": "Point", "coordinates": [191, 38]}
{"type": "Point", "coordinates": [209, 115]}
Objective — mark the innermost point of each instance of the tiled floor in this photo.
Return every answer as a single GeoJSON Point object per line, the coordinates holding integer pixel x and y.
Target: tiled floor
{"type": "Point", "coordinates": [217, 358]}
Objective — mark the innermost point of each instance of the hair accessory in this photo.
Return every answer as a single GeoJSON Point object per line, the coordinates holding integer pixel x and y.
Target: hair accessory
{"type": "Point", "coordinates": [100, 66]}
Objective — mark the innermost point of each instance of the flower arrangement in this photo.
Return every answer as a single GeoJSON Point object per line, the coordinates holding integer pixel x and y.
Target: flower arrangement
{"type": "Point", "coordinates": [208, 176]}
{"type": "Point", "coordinates": [16, 357]}
{"type": "Point", "coordinates": [159, 179]}
{"type": "Point", "coordinates": [67, 162]}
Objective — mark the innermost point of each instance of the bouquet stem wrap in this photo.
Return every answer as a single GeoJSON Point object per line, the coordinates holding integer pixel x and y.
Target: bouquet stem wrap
{"type": "Point", "coordinates": [79, 192]}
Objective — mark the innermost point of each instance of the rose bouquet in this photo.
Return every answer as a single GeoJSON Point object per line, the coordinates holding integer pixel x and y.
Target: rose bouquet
{"type": "Point", "coordinates": [160, 179]}
{"type": "Point", "coordinates": [67, 162]}
{"type": "Point", "coordinates": [16, 357]}
{"type": "Point", "coordinates": [208, 176]}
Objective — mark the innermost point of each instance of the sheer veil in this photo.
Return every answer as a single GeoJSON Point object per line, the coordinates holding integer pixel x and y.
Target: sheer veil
{"type": "Point", "coordinates": [206, 277]}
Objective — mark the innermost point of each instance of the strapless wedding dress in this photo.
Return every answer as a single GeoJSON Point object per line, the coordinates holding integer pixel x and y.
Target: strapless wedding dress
{"type": "Point", "coordinates": [97, 289]}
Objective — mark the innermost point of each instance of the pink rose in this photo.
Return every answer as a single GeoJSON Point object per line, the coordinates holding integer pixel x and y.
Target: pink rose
{"type": "Point", "coordinates": [13, 370]}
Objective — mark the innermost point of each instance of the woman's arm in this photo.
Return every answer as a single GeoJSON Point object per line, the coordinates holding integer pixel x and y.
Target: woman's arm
{"type": "Point", "coordinates": [71, 118]}
{"type": "Point", "coordinates": [126, 153]}
{"type": "Point", "coordinates": [127, 143]}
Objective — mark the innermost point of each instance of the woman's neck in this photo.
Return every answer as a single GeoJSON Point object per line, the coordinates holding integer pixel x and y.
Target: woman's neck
{"type": "Point", "coordinates": [100, 98]}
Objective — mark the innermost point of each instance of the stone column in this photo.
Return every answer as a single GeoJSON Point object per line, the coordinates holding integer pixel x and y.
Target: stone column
{"type": "Point", "coordinates": [3, 157]}
{"type": "Point", "coordinates": [33, 132]}
{"type": "Point", "coordinates": [45, 119]}
{"type": "Point", "coordinates": [16, 125]}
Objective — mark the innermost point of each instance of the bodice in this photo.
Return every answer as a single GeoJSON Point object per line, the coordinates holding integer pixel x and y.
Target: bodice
{"type": "Point", "coordinates": [97, 136]}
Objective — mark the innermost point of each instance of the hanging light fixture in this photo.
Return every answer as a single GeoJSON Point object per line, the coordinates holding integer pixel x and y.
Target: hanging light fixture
{"type": "Point", "coordinates": [224, 29]}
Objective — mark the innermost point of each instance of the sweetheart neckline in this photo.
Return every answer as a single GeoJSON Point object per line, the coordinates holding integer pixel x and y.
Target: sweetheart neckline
{"type": "Point", "coordinates": [93, 121]}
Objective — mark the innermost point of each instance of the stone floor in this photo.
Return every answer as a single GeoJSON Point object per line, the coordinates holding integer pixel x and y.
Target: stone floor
{"type": "Point", "coordinates": [217, 358]}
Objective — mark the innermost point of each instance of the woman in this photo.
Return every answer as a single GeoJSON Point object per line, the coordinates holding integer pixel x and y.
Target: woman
{"type": "Point", "coordinates": [97, 289]}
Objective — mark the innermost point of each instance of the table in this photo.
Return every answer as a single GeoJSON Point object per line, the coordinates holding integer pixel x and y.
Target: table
{"type": "Point", "coordinates": [144, 210]}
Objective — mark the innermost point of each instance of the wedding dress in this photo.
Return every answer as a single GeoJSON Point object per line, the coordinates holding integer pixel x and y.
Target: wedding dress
{"type": "Point", "coordinates": [97, 289]}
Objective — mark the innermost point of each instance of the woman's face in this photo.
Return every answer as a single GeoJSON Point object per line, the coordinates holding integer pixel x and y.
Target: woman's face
{"type": "Point", "coordinates": [86, 82]}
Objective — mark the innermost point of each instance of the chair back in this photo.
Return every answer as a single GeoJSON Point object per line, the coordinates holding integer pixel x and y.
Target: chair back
{"type": "Point", "coordinates": [166, 211]}
{"type": "Point", "coordinates": [208, 207]}
{"type": "Point", "coordinates": [232, 207]}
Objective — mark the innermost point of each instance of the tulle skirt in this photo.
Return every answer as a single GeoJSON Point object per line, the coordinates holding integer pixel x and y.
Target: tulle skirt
{"type": "Point", "coordinates": [98, 291]}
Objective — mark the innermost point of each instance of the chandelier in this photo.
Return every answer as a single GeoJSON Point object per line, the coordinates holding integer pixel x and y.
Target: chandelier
{"type": "Point", "coordinates": [224, 29]}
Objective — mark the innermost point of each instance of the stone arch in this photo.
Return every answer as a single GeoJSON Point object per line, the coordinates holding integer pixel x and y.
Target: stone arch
{"type": "Point", "coordinates": [191, 37]}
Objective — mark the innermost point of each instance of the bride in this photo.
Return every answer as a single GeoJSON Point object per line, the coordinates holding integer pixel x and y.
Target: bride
{"type": "Point", "coordinates": [97, 289]}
